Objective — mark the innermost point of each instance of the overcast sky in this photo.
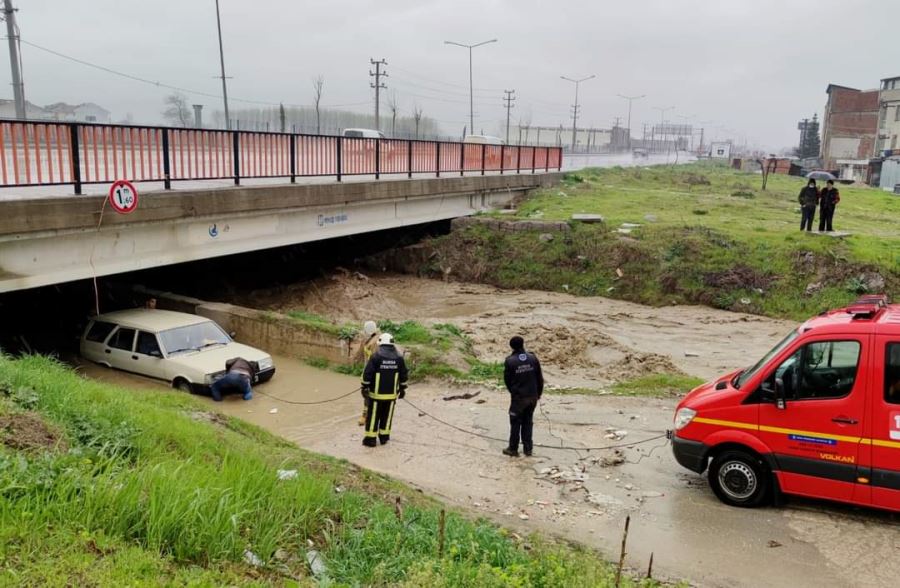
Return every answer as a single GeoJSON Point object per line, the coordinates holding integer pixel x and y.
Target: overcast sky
{"type": "Point", "coordinates": [752, 67]}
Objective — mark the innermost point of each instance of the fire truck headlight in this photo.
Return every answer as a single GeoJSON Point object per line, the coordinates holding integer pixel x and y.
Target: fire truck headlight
{"type": "Point", "coordinates": [683, 417]}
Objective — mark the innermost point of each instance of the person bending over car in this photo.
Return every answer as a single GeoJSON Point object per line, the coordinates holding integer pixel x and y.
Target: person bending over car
{"type": "Point", "coordinates": [239, 374]}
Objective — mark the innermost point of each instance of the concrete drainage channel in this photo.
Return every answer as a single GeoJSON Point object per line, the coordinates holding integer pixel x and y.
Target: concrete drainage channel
{"type": "Point", "coordinates": [277, 333]}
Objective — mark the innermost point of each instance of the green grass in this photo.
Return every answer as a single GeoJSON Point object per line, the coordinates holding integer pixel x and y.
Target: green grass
{"type": "Point", "coordinates": [323, 324]}
{"type": "Point", "coordinates": [150, 489]}
{"type": "Point", "coordinates": [657, 385]}
{"type": "Point", "coordinates": [712, 237]}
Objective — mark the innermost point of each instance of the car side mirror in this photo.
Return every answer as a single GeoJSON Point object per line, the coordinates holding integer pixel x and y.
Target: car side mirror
{"type": "Point", "coordinates": [155, 353]}
{"type": "Point", "coordinates": [232, 334]}
{"type": "Point", "coordinates": [780, 398]}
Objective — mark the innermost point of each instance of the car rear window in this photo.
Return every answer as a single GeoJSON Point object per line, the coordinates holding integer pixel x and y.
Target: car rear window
{"type": "Point", "coordinates": [122, 339]}
{"type": "Point", "coordinates": [99, 331]}
{"type": "Point", "coordinates": [355, 134]}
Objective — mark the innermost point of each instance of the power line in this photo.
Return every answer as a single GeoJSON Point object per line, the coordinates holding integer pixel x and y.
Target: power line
{"type": "Point", "coordinates": [159, 84]}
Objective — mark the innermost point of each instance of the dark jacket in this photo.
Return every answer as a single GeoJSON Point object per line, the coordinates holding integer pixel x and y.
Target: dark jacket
{"type": "Point", "coordinates": [522, 374]}
{"type": "Point", "coordinates": [242, 365]}
{"type": "Point", "coordinates": [385, 372]}
{"type": "Point", "coordinates": [809, 196]}
{"type": "Point", "coordinates": [829, 197]}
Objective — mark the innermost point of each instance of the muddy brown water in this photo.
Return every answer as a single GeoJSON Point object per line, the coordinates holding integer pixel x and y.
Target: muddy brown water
{"type": "Point", "coordinates": [574, 495]}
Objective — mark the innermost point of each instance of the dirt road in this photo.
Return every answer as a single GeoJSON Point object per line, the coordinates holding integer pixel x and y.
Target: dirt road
{"type": "Point", "coordinates": [583, 496]}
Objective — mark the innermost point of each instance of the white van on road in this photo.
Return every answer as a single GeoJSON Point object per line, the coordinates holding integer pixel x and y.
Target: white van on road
{"type": "Point", "coordinates": [363, 134]}
{"type": "Point", "coordinates": [187, 350]}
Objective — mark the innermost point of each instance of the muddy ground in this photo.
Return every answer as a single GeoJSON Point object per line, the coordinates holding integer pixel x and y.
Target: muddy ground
{"type": "Point", "coordinates": [583, 495]}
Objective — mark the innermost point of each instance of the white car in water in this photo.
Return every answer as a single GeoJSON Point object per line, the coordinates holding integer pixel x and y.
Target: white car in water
{"type": "Point", "coordinates": [187, 350]}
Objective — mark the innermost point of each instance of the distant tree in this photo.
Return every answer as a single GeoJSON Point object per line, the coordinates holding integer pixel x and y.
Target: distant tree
{"type": "Point", "coordinates": [318, 88]}
{"type": "Point", "coordinates": [394, 107]}
{"type": "Point", "coordinates": [282, 118]}
{"type": "Point", "coordinates": [177, 111]}
{"type": "Point", "coordinates": [417, 118]}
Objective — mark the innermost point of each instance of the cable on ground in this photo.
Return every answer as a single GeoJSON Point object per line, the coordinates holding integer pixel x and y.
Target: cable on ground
{"type": "Point", "coordinates": [302, 403]}
{"type": "Point", "coordinates": [542, 446]}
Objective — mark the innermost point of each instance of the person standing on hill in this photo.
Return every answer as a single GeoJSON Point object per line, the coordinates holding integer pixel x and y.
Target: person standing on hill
{"type": "Point", "coordinates": [525, 382]}
{"type": "Point", "coordinates": [809, 199]}
{"type": "Point", "coordinates": [828, 201]}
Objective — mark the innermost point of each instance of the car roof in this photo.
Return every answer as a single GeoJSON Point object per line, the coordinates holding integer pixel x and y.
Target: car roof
{"type": "Point", "coordinates": [861, 317]}
{"type": "Point", "coordinates": [151, 319]}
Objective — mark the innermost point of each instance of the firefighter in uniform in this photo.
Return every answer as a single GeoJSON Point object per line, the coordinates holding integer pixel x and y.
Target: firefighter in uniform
{"type": "Point", "coordinates": [370, 332]}
{"type": "Point", "coordinates": [525, 382]}
{"type": "Point", "coordinates": [383, 382]}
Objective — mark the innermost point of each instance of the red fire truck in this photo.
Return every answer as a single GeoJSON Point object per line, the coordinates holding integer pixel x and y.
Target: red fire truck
{"type": "Point", "coordinates": [818, 416]}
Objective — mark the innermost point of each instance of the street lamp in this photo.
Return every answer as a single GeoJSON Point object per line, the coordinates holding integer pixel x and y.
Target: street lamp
{"type": "Point", "coordinates": [630, 100]}
{"type": "Point", "coordinates": [575, 108]}
{"type": "Point", "coordinates": [471, 91]}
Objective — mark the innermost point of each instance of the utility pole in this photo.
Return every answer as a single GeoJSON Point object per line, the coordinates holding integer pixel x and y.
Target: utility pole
{"type": "Point", "coordinates": [662, 119]}
{"type": "Point", "coordinates": [509, 99]}
{"type": "Point", "coordinates": [471, 91]}
{"type": "Point", "coordinates": [575, 107]}
{"type": "Point", "coordinates": [222, 63]}
{"type": "Point", "coordinates": [378, 85]}
{"type": "Point", "coordinates": [15, 57]}
{"type": "Point", "coordinates": [615, 134]}
{"type": "Point", "coordinates": [630, 100]}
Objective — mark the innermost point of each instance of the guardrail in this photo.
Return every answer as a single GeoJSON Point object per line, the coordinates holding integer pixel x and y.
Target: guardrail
{"type": "Point", "coordinates": [46, 153]}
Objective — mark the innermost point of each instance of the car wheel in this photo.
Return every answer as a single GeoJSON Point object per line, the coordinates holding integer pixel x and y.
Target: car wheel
{"type": "Point", "coordinates": [183, 386]}
{"type": "Point", "coordinates": [739, 478]}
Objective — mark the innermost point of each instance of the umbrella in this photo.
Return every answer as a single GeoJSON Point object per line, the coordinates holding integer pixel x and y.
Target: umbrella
{"type": "Point", "coordinates": [820, 175]}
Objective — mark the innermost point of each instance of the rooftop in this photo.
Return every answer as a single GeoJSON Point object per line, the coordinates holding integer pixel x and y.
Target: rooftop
{"type": "Point", "coordinates": [151, 319]}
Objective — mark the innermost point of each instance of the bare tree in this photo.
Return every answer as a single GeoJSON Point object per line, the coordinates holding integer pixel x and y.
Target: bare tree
{"type": "Point", "coordinates": [177, 111]}
{"type": "Point", "coordinates": [318, 88]}
{"type": "Point", "coordinates": [417, 117]}
{"type": "Point", "coordinates": [282, 118]}
{"type": "Point", "coordinates": [394, 107]}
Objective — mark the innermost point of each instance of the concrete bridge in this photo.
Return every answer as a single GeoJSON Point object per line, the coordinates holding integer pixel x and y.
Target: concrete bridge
{"type": "Point", "coordinates": [47, 241]}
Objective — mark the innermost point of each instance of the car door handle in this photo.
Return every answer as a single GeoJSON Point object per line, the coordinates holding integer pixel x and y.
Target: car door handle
{"type": "Point", "coordinates": [134, 357]}
{"type": "Point", "coordinates": [845, 420]}
{"type": "Point", "coordinates": [107, 351]}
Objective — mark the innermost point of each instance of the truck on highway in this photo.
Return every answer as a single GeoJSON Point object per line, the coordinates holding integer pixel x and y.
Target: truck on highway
{"type": "Point", "coordinates": [818, 416]}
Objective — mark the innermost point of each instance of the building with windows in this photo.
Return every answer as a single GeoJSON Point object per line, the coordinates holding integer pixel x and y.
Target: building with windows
{"type": "Point", "coordinates": [888, 142]}
{"type": "Point", "coordinates": [849, 126]}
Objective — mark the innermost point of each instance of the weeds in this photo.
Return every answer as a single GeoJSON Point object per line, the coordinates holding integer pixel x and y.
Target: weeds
{"type": "Point", "coordinates": [188, 498]}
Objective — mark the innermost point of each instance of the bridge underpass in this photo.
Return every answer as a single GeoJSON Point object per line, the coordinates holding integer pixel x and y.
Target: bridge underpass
{"type": "Point", "coordinates": [45, 241]}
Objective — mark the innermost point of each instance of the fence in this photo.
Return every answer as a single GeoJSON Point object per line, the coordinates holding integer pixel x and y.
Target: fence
{"type": "Point", "coordinates": [52, 154]}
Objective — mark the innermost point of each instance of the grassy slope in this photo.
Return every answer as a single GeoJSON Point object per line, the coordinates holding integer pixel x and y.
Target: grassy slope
{"type": "Point", "coordinates": [150, 489]}
{"type": "Point", "coordinates": [726, 243]}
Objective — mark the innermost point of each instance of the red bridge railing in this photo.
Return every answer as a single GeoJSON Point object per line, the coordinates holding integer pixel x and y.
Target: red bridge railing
{"type": "Point", "coordinates": [46, 153]}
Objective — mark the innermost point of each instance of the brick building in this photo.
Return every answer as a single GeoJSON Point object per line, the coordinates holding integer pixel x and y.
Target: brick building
{"type": "Point", "coordinates": [850, 125]}
{"type": "Point", "coordinates": [889, 118]}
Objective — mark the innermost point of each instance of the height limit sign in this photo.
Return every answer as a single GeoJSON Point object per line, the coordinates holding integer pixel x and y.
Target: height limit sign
{"type": "Point", "coordinates": [123, 197]}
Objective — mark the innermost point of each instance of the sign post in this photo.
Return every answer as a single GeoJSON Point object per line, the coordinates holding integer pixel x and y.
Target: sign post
{"type": "Point", "coordinates": [123, 196]}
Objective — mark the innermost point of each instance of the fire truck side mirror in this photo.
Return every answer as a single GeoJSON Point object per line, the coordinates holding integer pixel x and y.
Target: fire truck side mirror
{"type": "Point", "coordinates": [780, 398]}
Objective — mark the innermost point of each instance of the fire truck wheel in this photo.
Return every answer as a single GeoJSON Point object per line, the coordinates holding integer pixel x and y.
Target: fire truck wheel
{"type": "Point", "coordinates": [739, 478]}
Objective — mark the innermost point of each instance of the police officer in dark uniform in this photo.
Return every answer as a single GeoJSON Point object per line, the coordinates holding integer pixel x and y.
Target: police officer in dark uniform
{"type": "Point", "coordinates": [525, 382]}
{"type": "Point", "coordinates": [383, 382]}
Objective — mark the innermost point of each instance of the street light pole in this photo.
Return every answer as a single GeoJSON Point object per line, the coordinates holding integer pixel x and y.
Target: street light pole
{"type": "Point", "coordinates": [575, 108]}
{"type": "Point", "coordinates": [222, 63]}
{"type": "Point", "coordinates": [630, 100]}
{"type": "Point", "coordinates": [471, 90]}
